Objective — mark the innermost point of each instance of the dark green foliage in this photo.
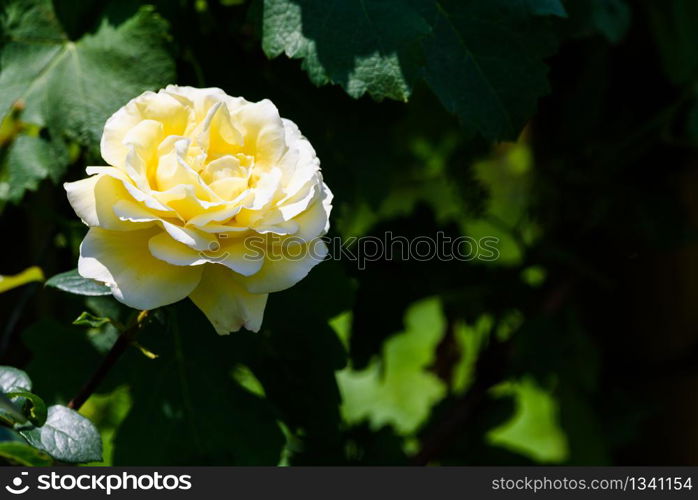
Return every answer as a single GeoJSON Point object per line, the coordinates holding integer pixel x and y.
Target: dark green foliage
{"type": "Point", "coordinates": [202, 415]}
{"type": "Point", "coordinates": [576, 346]}
{"type": "Point", "coordinates": [482, 58]}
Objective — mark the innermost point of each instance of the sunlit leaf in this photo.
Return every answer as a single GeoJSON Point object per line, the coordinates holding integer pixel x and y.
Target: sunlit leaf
{"type": "Point", "coordinates": [534, 430]}
{"type": "Point", "coordinates": [29, 275]}
{"type": "Point", "coordinates": [72, 86]}
{"type": "Point", "coordinates": [13, 379]}
{"type": "Point", "coordinates": [66, 436]}
{"type": "Point", "coordinates": [398, 390]}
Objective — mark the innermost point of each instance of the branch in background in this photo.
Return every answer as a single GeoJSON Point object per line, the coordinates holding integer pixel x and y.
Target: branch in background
{"type": "Point", "coordinates": [490, 370]}
{"type": "Point", "coordinates": [126, 338]}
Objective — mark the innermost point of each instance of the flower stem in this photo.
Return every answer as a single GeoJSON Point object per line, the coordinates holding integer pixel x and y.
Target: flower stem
{"type": "Point", "coordinates": [125, 339]}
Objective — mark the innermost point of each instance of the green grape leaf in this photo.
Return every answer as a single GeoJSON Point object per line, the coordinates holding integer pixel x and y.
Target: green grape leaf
{"type": "Point", "coordinates": [507, 175]}
{"type": "Point", "coordinates": [31, 159]}
{"type": "Point", "coordinates": [66, 436]}
{"type": "Point", "coordinates": [22, 454]}
{"type": "Point", "coordinates": [534, 430]}
{"type": "Point", "coordinates": [72, 282]}
{"type": "Point", "coordinates": [482, 58]}
{"type": "Point", "coordinates": [400, 391]}
{"type": "Point", "coordinates": [72, 87]}
{"type": "Point", "coordinates": [370, 61]}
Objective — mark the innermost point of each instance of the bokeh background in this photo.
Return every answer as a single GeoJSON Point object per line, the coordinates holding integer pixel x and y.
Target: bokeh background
{"type": "Point", "coordinates": [579, 345]}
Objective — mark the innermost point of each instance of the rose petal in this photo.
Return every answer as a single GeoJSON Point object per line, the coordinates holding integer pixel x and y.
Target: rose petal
{"type": "Point", "coordinates": [264, 133]}
{"type": "Point", "coordinates": [315, 221]}
{"type": "Point", "coordinates": [129, 211]}
{"type": "Point", "coordinates": [136, 193]}
{"type": "Point", "coordinates": [167, 249]}
{"type": "Point", "coordinates": [226, 303]}
{"type": "Point", "coordinates": [237, 254]}
{"type": "Point", "coordinates": [123, 261]}
{"type": "Point", "coordinates": [285, 271]}
{"type": "Point", "coordinates": [172, 113]}
{"type": "Point", "coordinates": [93, 200]}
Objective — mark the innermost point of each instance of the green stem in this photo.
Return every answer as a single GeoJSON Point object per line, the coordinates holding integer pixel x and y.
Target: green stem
{"type": "Point", "coordinates": [125, 339]}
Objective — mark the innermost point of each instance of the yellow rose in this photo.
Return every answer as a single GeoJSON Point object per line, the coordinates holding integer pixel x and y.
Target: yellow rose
{"type": "Point", "coordinates": [206, 196]}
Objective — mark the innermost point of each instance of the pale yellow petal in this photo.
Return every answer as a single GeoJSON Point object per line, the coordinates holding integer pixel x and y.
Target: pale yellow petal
{"type": "Point", "coordinates": [145, 137]}
{"type": "Point", "coordinates": [113, 149]}
{"type": "Point", "coordinates": [286, 268]}
{"type": "Point", "coordinates": [81, 196]}
{"type": "Point", "coordinates": [237, 255]}
{"type": "Point", "coordinates": [93, 200]}
{"type": "Point", "coordinates": [167, 249]}
{"type": "Point", "coordinates": [226, 303]}
{"type": "Point", "coordinates": [171, 113]}
{"type": "Point", "coordinates": [123, 261]}
{"type": "Point", "coordinates": [263, 131]}
{"type": "Point", "coordinates": [136, 193]}
{"type": "Point", "coordinates": [315, 221]}
{"type": "Point", "coordinates": [127, 210]}
{"type": "Point", "coordinates": [164, 108]}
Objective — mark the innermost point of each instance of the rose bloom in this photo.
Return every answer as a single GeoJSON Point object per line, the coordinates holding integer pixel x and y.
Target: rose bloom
{"type": "Point", "coordinates": [207, 196]}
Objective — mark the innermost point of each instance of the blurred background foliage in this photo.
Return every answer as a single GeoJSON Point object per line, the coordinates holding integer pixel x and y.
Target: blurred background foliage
{"type": "Point", "coordinates": [566, 129]}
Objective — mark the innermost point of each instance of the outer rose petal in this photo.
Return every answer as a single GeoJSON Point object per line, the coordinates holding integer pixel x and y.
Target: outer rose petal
{"type": "Point", "coordinates": [81, 196]}
{"type": "Point", "coordinates": [93, 199]}
{"type": "Point", "coordinates": [136, 193]}
{"type": "Point", "coordinates": [139, 280]}
{"type": "Point", "coordinates": [315, 221]}
{"type": "Point", "coordinates": [280, 274]}
{"type": "Point", "coordinates": [161, 107]}
{"type": "Point", "coordinates": [226, 304]}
